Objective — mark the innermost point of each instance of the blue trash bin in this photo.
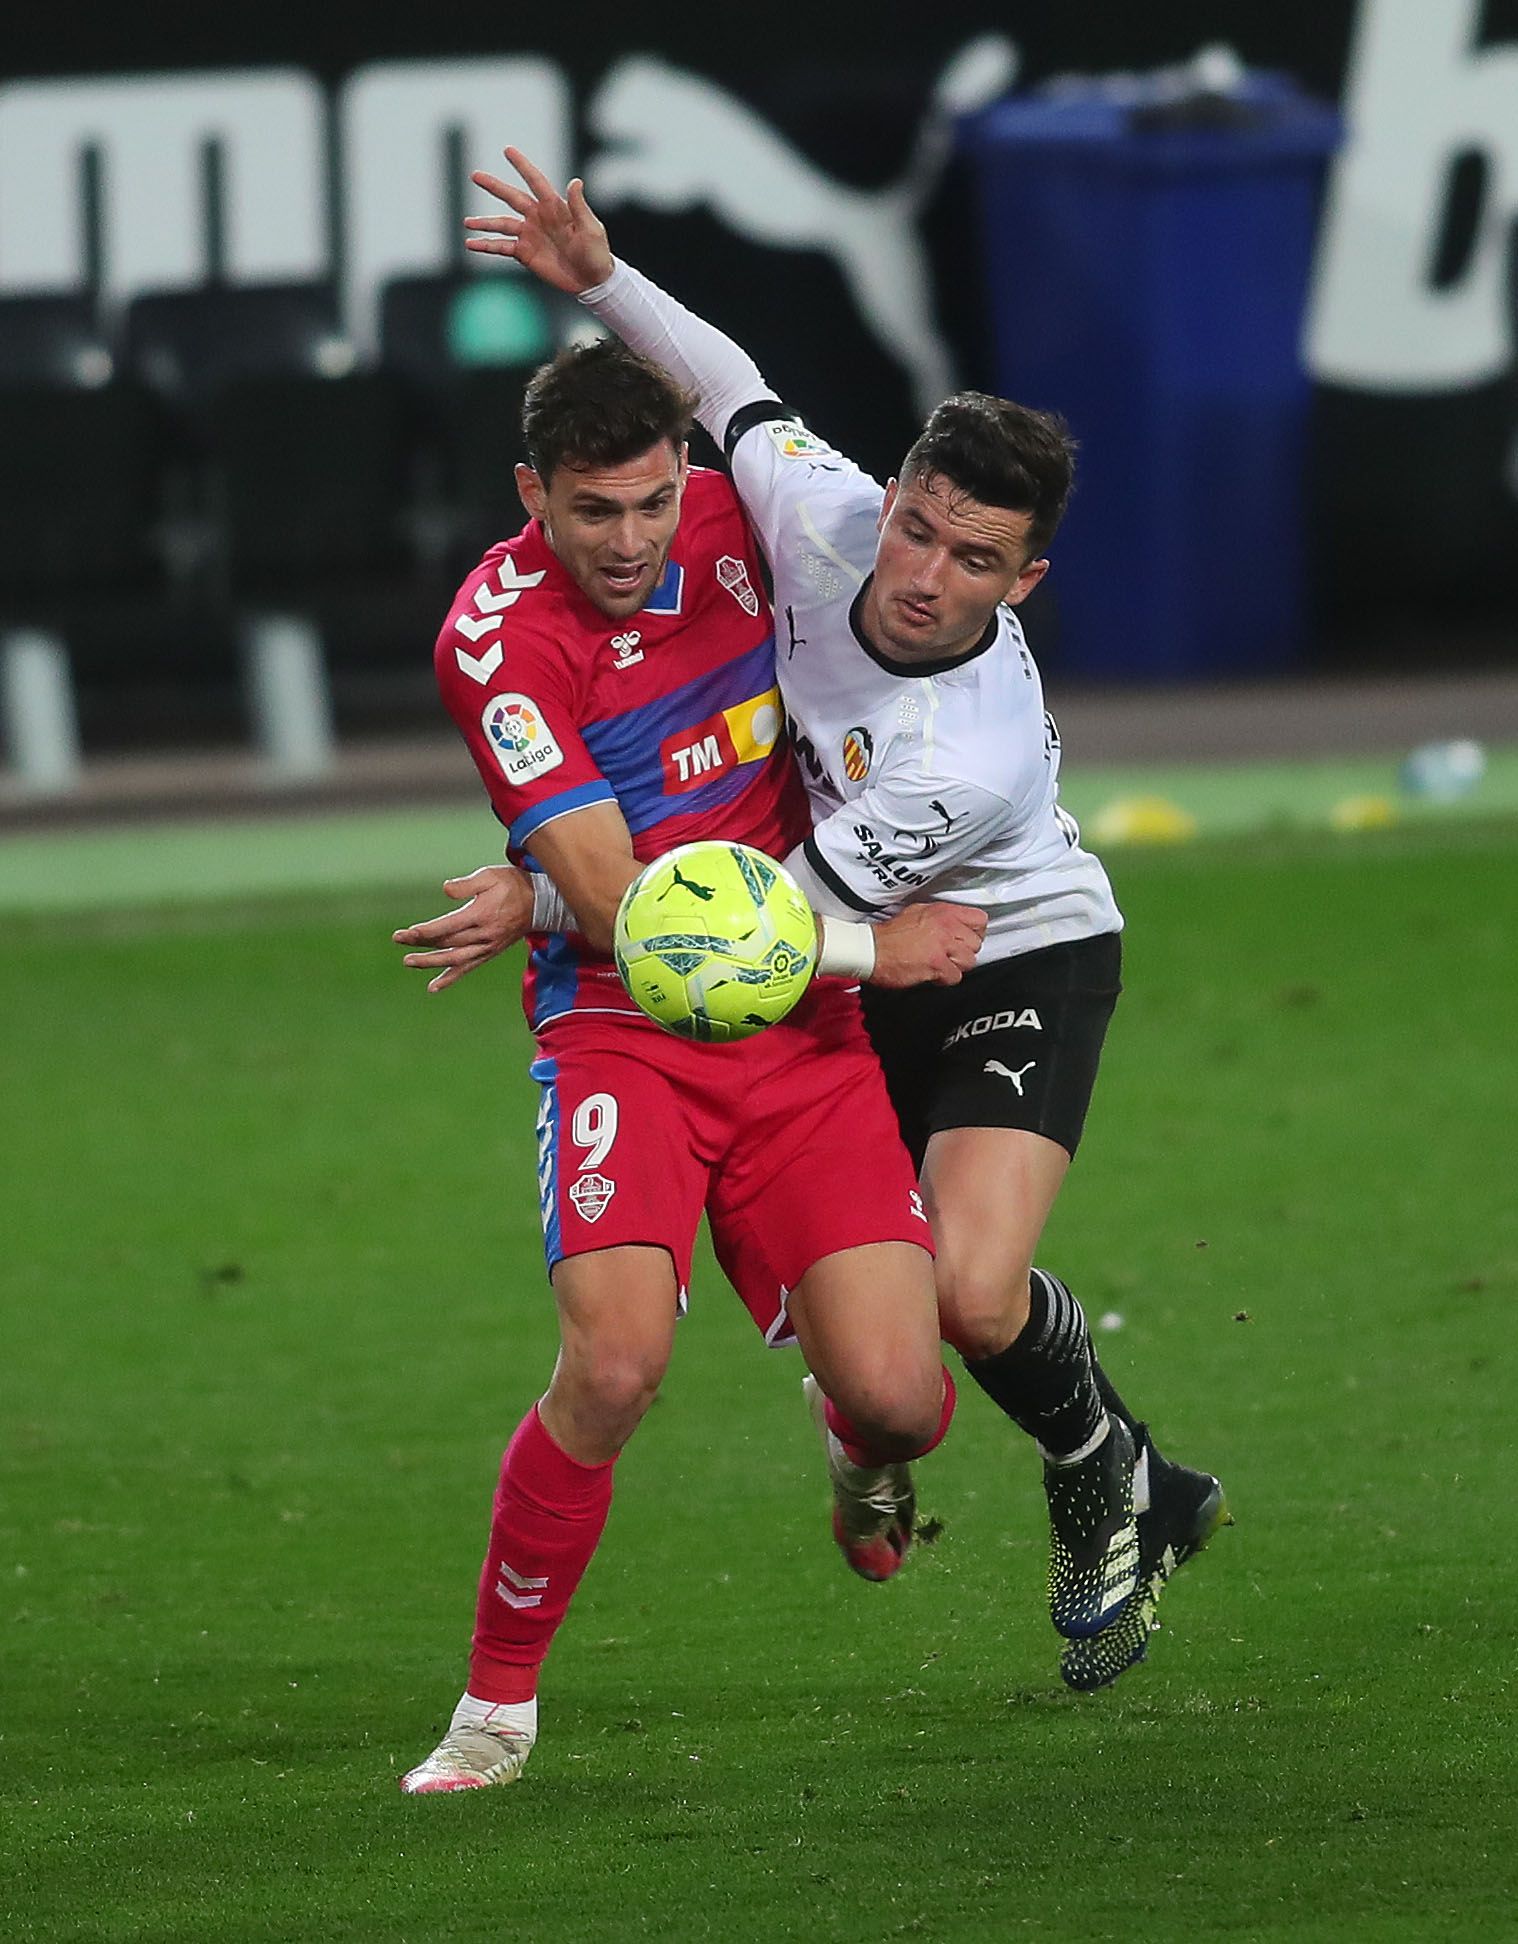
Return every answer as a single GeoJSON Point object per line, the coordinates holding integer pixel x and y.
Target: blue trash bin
{"type": "Point", "coordinates": [1147, 264]}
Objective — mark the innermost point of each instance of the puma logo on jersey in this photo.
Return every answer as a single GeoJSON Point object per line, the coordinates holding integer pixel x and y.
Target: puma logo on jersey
{"type": "Point", "coordinates": [920, 843]}
{"type": "Point", "coordinates": [998, 1022]}
{"type": "Point", "coordinates": [995, 1066]}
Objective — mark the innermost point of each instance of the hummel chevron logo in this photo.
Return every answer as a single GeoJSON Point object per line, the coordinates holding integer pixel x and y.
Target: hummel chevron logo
{"type": "Point", "coordinates": [522, 1596]}
{"type": "Point", "coordinates": [480, 668]}
{"type": "Point", "coordinates": [995, 1066]}
{"type": "Point", "coordinates": [514, 586]}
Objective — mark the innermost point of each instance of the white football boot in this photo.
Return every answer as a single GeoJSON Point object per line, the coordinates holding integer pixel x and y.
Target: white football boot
{"type": "Point", "coordinates": [873, 1506]}
{"type": "Point", "coordinates": [484, 1746]}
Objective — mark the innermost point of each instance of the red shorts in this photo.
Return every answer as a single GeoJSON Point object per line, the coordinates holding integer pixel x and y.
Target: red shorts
{"type": "Point", "coordinates": [787, 1140]}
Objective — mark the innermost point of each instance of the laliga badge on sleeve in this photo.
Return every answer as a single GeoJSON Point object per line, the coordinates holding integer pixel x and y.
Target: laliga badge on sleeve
{"type": "Point", "coordinates": [523, 743]}
{"type": "Point", "coordinates": [791, 440]}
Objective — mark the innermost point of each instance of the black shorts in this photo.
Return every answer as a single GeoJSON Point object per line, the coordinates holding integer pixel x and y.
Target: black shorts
{"type": "Point", "coordinates": [1015, 1044]}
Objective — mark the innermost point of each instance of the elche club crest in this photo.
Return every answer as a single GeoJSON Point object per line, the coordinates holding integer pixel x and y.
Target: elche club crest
{"type": "Point", "coordinates": [733, 574]}
{"type": "Point", "coordinates": [591, 1195]}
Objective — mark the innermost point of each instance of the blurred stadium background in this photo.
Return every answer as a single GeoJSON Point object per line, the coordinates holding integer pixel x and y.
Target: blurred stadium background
{"type": "Point", "coordinates": [257, 418]}
{"type": "Point", "coordinates": [258, 415]}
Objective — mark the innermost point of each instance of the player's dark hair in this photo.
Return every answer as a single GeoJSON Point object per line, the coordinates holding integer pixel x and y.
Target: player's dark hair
{"type": "Point", "coordinates": [600, 405]}
{"type": "Point", "coordinates": [1000, 454]}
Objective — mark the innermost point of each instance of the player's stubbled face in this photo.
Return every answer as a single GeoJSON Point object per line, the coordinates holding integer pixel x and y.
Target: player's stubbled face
{"type": "Point", "coordinates": [942, 565]}
{"type": "Point", "coordinates": [612, 526]}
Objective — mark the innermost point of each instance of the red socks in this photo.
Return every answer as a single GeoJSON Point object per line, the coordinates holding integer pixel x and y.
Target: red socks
{"type": "Point", "coordinates": [546, 1522]}
{"type": "Point", "coordinates": [857, 1450]}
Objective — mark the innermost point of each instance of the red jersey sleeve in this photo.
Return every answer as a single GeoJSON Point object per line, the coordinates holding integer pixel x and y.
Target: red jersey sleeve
{"type": "Point", "coordinates": [514, 697]}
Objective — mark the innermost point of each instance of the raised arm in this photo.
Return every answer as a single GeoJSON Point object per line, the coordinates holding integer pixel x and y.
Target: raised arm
{"type": "Point", "coordinates": [560, 239]}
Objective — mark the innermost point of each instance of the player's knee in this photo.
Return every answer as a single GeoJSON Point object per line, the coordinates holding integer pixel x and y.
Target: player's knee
{"type": "Point", "coordinates": [982, 1307]}
{"type": "Point", "coordinates": [894, 1420]}
{"type": "Point", "coordinates": [615, 1387]}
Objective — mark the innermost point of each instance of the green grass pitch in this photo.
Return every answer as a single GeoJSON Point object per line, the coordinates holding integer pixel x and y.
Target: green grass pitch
{"type": "Point", "coordinates": [271, 1299]}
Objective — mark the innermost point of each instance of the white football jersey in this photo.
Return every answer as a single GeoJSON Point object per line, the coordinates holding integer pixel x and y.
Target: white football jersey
{"type": "Point", "coordinates": [937, 781]}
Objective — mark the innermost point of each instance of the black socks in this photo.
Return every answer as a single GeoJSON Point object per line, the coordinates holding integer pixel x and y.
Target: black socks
{"type": "Point", "coordinates": [1046, 1380]}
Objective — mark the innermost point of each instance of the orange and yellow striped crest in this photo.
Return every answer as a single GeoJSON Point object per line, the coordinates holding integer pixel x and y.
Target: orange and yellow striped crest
{"type": "Point", "coordinates": [858, 748]}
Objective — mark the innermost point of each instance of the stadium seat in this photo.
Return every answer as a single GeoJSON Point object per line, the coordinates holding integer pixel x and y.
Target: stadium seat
{"type": "Point", "coordinates": [80, 496]}
{"type": "Point", "coordinates": [188, 344]}
{"type": "Point", "coordinates": [88, 575]}
{"type": "Point", "coordinates": [434, 328]}
{"type": "Point", "coordinates": [311, 481]}
{"type": "Point", "coordinates": [315, 483]}
{"type": "Point", "coordinates": [303, 459]}
{"type": "Point", "coordinates": [309, 469]}
{"type": "Point", "coordinates": [52, 338]}
{"type": "Point", "coordinates": [465, 344]}
{"type": "Point", "coordinates": [81, 453]}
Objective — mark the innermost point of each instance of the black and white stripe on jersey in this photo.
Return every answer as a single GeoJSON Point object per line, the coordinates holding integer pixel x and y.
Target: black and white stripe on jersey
{"type": "Point", "coordinates": [844, 892]}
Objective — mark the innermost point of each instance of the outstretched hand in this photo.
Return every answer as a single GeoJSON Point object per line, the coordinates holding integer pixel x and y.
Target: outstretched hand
{"type": "Point", "coordinates": [557, 237]}
{"type": "Point", "coordinates": [497, 913]}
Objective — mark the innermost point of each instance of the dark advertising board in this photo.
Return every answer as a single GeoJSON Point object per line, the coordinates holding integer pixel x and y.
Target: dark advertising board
{"type": "Point", "coordinates": [800, 181]}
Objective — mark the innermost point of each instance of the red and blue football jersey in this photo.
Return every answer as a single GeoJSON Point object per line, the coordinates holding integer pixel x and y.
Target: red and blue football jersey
{"type": "Point", "coordinates": [673, 714]}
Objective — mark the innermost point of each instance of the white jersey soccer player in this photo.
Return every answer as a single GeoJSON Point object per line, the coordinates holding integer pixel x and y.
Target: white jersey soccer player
{"type": "Point", "coordinates": [938, 777]}
{"type": "Point", "coordinates": [918, 719]}
{"type": "Point", "coordinates": [941, 778]}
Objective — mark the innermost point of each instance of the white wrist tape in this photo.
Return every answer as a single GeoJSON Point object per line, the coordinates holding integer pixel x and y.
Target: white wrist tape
{"type": "Point", "coordinates": [848, 951]}
{"type": "Point", "coordinates": [549, 911]}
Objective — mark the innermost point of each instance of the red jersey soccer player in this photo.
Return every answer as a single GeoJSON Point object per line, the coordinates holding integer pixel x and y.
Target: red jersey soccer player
{"type": "Point", "coordinates": [612, 670]}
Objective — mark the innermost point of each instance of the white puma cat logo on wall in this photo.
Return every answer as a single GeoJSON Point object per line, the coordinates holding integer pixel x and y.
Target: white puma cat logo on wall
{"type": "Point", "coordinates": [675, 139]}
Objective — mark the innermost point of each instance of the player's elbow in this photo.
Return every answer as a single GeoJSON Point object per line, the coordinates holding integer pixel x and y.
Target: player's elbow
{"type": "Point", "coordinates": [599, 931]}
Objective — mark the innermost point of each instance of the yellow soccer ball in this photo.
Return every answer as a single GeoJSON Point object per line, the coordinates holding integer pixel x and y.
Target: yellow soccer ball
{"type": "Point", "coordinates": [715, 941]}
